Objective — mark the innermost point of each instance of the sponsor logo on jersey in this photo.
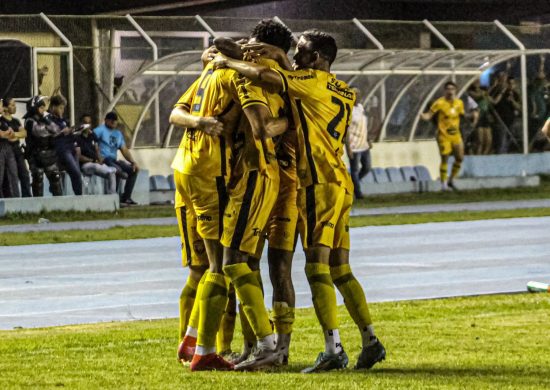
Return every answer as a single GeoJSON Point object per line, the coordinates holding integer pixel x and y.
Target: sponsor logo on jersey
{"type": "Point", "coordinates": [198, 246]}
{"type": "Point", "coordinates": [327, 224]}
{"type": "Point", "coordinates": [202, 217]}
{"type": "Point", "coordinates": [334, 86]}
{"type": "Point", "coordinates": [282, 219]}
{"type": "Point", "coordinates": [256, 232]}
{"type": "Point", "coordinates": [301, 78]}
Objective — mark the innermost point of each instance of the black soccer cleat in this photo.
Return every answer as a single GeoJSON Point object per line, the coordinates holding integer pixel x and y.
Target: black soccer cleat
{"type": "Point", "coordinates": [370, 355]}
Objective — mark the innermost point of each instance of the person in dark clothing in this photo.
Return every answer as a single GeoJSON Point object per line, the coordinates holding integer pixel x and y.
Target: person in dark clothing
{"type": "Point", "coordinates": [65, 144]}
{"type": "Point", "coordinates": [18, 151]}
{"type": "Point", "coordinates": [8, 166]}
{"type": "Point", "coordinates": [91, 162]}
{"type": "Point", "coordinates": [40, 150]}
{"type": "Point", "coordinates": [507, 104]}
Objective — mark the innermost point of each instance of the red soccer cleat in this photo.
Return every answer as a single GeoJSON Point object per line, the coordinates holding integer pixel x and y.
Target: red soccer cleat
{"type": "Point", "coordinates": [186, 349]}
{"type": "Point", "coordinates": [210, 362]}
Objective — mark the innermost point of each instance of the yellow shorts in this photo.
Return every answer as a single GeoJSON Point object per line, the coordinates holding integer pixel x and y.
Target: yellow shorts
{"type": "Point", "coordinates": [206, 197]}
{"type": "Point", "coordinates": [193, 252]}
{"type": "Point", "coordinates": [324, 214]}
{"type": "Point", "coordinates": [446, 142]}
{"type": "Point", "coordinates": [248, 210]}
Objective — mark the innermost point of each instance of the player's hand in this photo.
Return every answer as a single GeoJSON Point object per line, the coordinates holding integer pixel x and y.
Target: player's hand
{"type": "Point", "coordinates": [265, 50]}
{"type": "Point", "coordinates": [209, 54]}
{"type": "Point", "coordinates": [210, 125]}
{"type": "Point", "coordinates": [219, 61]}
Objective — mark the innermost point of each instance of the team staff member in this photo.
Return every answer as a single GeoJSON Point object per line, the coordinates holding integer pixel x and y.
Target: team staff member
{"type": "Point", "coordinates": [8, 166]}
{"type": "Point", "coordinates": [448, 110]}
{"type": "Point", "coordinates": [322, 108]}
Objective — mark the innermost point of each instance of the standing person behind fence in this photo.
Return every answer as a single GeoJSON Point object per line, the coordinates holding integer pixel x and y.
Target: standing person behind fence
{"type": "Point", "coordinates": [358, 146]}
{"type": "Point", "coordinates": [40, 149]}
{"type": "Point", "coordinates": [91, 162]}
{"type": "Point", "coordinates": [507, 106]}
{"type": "Point", "coordinates": [8, 167]}
{"type": "Point", "coordinates": [448, 109]}
{"type": "Point", "coordinates": [65, 143]}
{"type": "Point", "coordinates": [111, 141]}
{"type": "Point", "coordinates": [19, 132]}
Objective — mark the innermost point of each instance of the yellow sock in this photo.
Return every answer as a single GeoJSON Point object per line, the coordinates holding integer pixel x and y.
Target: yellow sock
{"type": "Point", "coordinates": [187, 299]}
{"type": "Point", "coordinates": [250, 294]}
{"type": "Point", "coordinates": [283, 317]}
{"type": "Point", "coordinates": [354, 296]}
{"type": "Point", "coordinates": [323, 294]}
{"type": "Point", "coordinates": [456, 169]}
{"type": "Point", "coordinates": [248, 333]}
{"type": "Point", "coordinates": [212, 305]}
{"type": "Point", "coordinates": [443, 171]}
{"type": "Point", "coordinates": [195, 313]}
{"type": "Point", "coordinates": [227, 326]}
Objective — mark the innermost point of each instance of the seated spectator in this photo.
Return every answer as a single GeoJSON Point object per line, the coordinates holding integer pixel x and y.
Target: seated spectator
{"type": "Point", "coordinates": [8, 166]}
{"type": "Point", "coordinates": [65, 143]}
{"type": "Point", "coordinates": [111, 141]}
{"type": "Point", "coordinates": [91, 162]}
{"type": "Point", "coordinates": [19, 132]}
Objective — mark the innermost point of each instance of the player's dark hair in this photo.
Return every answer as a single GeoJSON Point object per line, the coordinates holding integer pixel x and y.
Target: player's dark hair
{"type": "Point", "coordinates": [450, 83]}
{"type": "Point", "coordinates": [273, 33]}
{"type": "Point", "coordinates": [6, 100]}
{"type": "Point", "coordinates": [57, 100]}
{"type": "Point", "coordinates": [322, 43]}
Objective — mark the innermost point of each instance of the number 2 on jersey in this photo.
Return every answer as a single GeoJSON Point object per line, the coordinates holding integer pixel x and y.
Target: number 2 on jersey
{"type": "Point", "coordinates": [343, 109]}
{"type": "Point", "coordinates": [199, 97]}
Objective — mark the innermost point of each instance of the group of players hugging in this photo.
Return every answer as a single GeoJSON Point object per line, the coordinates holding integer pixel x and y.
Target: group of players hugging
{"type": "Point", "coordinates": [261, 159]}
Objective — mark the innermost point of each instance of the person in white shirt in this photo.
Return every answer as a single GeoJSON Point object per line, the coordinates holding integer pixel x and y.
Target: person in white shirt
{"type": "Point", "coordinates": [358, 146]}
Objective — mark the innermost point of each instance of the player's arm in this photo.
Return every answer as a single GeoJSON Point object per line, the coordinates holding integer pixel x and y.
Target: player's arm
{"type": "Point", "coordinates": [228, 47]}
{"type": "Point", "coordinates": [260, 75]}
{"type": "Point", "coordinates": [428, 116]}
{"type": "Point", "coordinates": [266, 50]}
{"type": "Point", "coordinates": [182, 118]}
{"type": "Point", "coordinates": [208, 55]}
{"type": "Point", "coordinates": [262, 123]}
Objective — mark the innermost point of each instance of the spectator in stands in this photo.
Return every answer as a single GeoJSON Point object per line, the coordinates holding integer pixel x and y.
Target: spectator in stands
{"type": "Point", "coordinates": [538, 105]}
{"type": "Point", "coordinates": [358, 146]}
{"type": "Point", "coordinates": [111, 141]}
{"type": "Point", "coordinates": [483, 132]}
{"type": "Point", "coordinates": [506, 104]}
{"type": "Point", "coordinates": [541, 140]}
{"type": "Point", "coordinates": [91, 162]}
{"type": "Point", "coordinates": [8, 165]}
{"type": "Point", "coordinates": [19, 132]}
{"type": "Point", "coordinates": [40, 148]}
{"type": "Point", "coordinates": [65, 143]}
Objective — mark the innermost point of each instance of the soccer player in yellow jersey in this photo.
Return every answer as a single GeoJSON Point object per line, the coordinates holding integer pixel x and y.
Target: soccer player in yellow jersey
{"type": "Point", "coordinates": [322, 108]}
{"type": "Point", "coordinates": [282, 224]}
{"type": "Point", "coordinates": [201, 171]}
{"type": "Point", "coordinates": [448, 109]}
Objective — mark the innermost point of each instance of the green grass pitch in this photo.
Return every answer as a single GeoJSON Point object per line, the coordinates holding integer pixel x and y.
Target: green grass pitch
{"type": "Point", "coordinates": [499, 342]}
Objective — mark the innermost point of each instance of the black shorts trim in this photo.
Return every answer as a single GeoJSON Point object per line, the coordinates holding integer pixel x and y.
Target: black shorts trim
{"type": "Point", "coordinates": [311, 218]}
{"type": "Point", "coordinates": [222, 201]}
{"type": "Point", "coordinates": [242, 220]}
{"type": "Point", "coordinates": [183, 216]}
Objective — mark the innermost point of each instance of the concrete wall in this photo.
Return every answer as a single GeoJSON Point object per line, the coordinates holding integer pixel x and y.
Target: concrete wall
{"type": "Point", "coordinates": [384, 154]}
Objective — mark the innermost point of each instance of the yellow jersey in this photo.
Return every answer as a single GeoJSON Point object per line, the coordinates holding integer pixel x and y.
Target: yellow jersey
{"type": "Point", "coordinates": [212, 94]}
{"type": "Point", "coordinates": [448, 115]}
{"type": "Point", "coordinates": [321, 106]}
{"type": "Point", "coordinates": [256, 155]}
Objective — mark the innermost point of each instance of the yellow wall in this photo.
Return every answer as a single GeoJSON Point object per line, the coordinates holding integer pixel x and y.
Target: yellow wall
{"type": "Point", "coordinates": [384, 154]}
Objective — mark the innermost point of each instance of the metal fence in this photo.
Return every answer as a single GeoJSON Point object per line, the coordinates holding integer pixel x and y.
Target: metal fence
{"type": "Point", "coordinates": [104, 62]}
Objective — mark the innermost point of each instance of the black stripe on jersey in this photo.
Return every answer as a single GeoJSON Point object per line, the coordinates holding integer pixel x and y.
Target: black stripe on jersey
{"type": "Point", "coordinates": [311, 218]}
{"type": "Point", "coordinates": [228, 108]}
{"type": "Point", "coordinates": [223, 162]}
{"type": "Point", "coordinates": [222, 201]}
{"type": "Point", "coordinates": [252, 102]}
{"type": "Point", "coordinates": [242, 220]}
{"type": "Point", "coordinates": [305, 130]}
{"type": "Point", "coordinates": [183, 216]}
{"type": "Point", "coordinates": [285, 83]}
